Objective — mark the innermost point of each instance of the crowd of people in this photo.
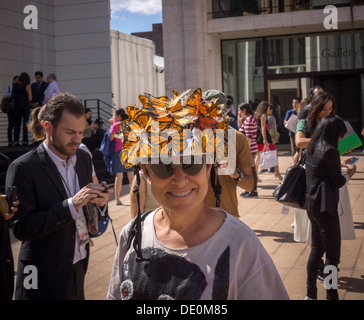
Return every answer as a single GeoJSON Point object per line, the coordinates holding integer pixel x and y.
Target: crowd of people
{"type": "Point", "coordinates": [182, 213]}
{"type": "Point", "coordinates": [23, 96]}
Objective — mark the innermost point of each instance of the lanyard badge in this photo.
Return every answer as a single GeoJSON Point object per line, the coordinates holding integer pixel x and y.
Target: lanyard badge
{"type": "Point", "coordinates": [82, 230]}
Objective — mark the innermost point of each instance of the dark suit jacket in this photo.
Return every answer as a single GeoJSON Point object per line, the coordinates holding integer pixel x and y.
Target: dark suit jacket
{"type": "Point", "coordinates": [323, 180]}
{"type": "Point", "coordinates": [6, 262]}
{"type": "Point", "coordinates": [43, 222]}
{"type": "Point", "coordinates": [38, 95]}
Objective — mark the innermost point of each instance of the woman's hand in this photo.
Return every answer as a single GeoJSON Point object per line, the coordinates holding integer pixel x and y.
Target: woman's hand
{"type": "Point", "coordinates": [346, 162]}
{"type": "Point", "coordinates": [8, 215]}
{"type": "Point", "coordinates": [351, 169]}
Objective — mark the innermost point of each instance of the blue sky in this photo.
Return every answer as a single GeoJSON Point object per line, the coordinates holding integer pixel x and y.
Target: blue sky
{"type": "Point", "coordinates": [135, 15]}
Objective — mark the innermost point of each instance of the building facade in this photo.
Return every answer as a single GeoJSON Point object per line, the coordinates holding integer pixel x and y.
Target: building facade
{"type": "Point", "coordinates": [70, 38]}
{"type": "Point", "coordinates": [268, 50]}
{"type": "Point", "coordinates": [156, 35]}
{"type": "Point", "coordinates": [135, 69]}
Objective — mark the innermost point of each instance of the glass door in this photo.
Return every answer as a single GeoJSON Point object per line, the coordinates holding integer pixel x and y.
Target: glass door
{"type": "Point", "coordinates": [348, 94]}
{"type": "Point", "coordinates": [280, 95]}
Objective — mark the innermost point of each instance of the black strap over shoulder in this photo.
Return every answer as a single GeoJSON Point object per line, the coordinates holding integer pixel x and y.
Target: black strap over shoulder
{"type": "Point", "coordinates": [215, 184]}
{"type": "Point", "coordinates": [301, 160]}
{"type": "Point", "coordinates": [135, 232]}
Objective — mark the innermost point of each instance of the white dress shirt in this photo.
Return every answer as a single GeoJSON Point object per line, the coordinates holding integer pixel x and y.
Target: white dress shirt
{"type": "Point", "coordinates": [51, 91]}
{"type": "Point", "coordinates": [70, 181]}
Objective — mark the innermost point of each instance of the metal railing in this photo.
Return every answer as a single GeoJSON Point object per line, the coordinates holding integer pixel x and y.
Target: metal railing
{"type": "Point", "coordinates": [103, 110]}
{"type": "Point", "coordinates": [234, 8]}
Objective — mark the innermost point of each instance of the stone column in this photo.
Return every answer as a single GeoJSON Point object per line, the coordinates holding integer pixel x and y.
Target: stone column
{"type": "Point", "coordinates": [185, 44]}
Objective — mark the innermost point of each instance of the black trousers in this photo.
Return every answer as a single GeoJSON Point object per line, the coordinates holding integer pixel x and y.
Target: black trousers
{"type": "Point", "coordinates": [75, 287]}
{"type": "Point", "coordinates": [326, 239]}
{"type": "Point", "coordinates": [254, 172]}
{"type": "Point", "coordinates": [14, 125]}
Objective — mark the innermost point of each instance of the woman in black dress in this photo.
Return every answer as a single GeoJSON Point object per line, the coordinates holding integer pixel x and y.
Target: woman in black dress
{"type": "Point", "coordinates": [19, 111]}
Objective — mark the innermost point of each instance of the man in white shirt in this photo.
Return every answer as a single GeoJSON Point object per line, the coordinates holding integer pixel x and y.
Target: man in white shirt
{"type": "Point", "coordinates": [52, 88]}
{"type": "Point", "coordinates": [56, 193]}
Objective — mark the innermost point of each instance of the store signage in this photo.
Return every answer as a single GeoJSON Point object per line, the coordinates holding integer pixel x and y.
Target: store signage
{"type": "Point", "coordinates": [342, 53]}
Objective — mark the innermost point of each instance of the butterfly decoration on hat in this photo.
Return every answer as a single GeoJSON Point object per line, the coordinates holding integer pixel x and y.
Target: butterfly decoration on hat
{"type": "Point", "coordinates": [167, 127]}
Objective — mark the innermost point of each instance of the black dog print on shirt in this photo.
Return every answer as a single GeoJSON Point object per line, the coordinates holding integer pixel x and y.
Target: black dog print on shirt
{"type": "Point", "coordinates": [168, 276]}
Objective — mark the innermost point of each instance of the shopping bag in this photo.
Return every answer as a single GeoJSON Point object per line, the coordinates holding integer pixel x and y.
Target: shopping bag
{"type": "Point", "coordinates": [345, 214]}
{"type": "Point", "coordinates": [291, 191]}
{"type": "Point", "coordinates": [268, 158]}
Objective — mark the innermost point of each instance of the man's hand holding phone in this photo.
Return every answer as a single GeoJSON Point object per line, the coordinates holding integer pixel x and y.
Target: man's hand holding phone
{"type": "Point", "coordinates": [98, 194]}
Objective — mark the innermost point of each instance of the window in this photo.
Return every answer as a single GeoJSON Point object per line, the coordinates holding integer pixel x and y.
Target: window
{"type": "Point", "coordinates": [242, 64]}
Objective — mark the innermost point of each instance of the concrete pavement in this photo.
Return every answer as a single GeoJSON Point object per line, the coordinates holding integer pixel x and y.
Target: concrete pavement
{"type": "Point", "coordinates": [274, 230]}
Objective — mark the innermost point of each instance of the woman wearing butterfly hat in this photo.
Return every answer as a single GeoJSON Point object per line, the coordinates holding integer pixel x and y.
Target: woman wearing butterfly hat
{"type": "Point", "coordinates": [185, 249]}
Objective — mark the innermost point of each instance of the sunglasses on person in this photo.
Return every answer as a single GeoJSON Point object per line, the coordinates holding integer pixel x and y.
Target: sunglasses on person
{"type": "Point", "coordinates": [164, 171]}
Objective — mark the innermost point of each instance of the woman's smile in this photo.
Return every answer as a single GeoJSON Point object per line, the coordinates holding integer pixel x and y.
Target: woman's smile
{"type": "Point", "coordinates": [181, 193]}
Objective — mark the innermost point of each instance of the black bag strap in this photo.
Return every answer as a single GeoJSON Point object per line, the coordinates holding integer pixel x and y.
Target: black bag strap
{"type": "Point", "coordinates": [215, 184]}
{"type": "Point", "coordinates": [135, 232]}
{"type": "Point", "coordinates": [301, 160]}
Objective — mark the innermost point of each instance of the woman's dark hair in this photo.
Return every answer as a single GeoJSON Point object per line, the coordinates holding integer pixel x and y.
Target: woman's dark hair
{"type": "Point", "coordinates": [262, 108]}
{"type": "Point", "coordinates": [317, 104]}
{"type": "Point", "coordinates": [24, 78]}
{"type": "Point", "coordinates": [121, 112]}
{"type": "Point", "coordinates": [248, 109]}
{"type": "Point", "coordinates": [311, 92]}
{"type": "Point", "coordinates": [304, 102]}
{"type": "Point", "coordinates": [328, 132]}
{"type": "Point", "coordinates": [89, 121]}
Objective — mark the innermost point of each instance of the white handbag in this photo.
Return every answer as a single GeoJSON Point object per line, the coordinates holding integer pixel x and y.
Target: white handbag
{"type": "Point", "coordinates": [268, 158]}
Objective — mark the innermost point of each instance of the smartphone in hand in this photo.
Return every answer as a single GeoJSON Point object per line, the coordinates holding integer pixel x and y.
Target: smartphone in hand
{"type": "Point", "coordinates": [352, 161]}
{"type": "Point", "coordinates": [108, 186]}
{"type": "Point", "coordinates": [11, 195]}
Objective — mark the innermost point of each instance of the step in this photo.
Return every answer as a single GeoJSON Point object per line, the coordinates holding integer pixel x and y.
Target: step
{"type": "Point", "coordinates": [15, 152]}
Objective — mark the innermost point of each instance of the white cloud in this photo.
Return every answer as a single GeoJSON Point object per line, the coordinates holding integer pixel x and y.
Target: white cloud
{"type": "Point", "coordinates": [136, 6]}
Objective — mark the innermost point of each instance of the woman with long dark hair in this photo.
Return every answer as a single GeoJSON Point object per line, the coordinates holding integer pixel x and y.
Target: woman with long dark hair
{"type": "Point", "coordinates": [263, 137]}
{"type": "Point", "coordinates": [20, 109]}
{"type": "Point", "coordinates": [87, 133]}
{"type": "Point", "coordinates": [322, 105]}
{"type": "Point", "coordinates": [323, 179]}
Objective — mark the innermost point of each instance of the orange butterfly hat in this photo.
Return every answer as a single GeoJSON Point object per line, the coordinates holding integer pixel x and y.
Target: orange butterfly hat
{"type": "Point", "coordinates": [164, 127]}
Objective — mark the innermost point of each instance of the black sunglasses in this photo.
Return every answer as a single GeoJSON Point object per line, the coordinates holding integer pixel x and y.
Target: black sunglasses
{"type": "Point", "coordinates": [164, 171]}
